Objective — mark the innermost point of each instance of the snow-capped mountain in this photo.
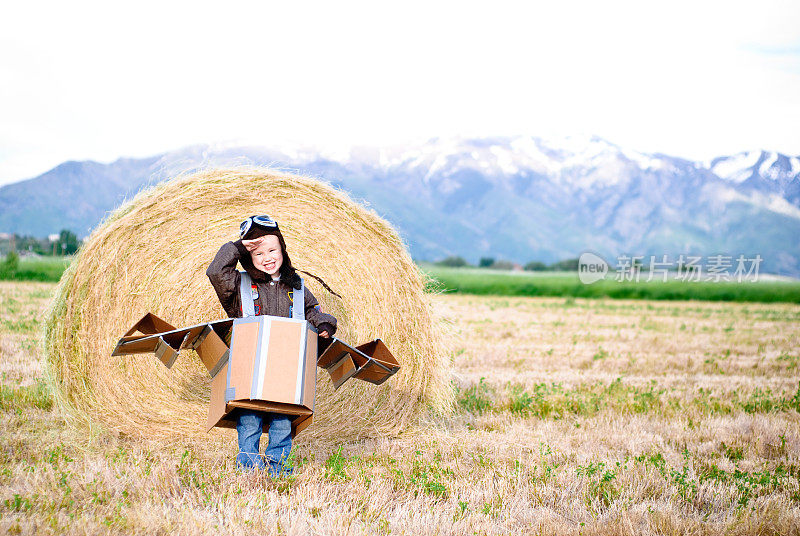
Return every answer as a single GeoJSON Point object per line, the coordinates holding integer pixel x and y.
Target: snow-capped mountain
{"type": "Point", "coordinates": [518, 198]}
{"type": "Point", "coordinates": [761, 171]}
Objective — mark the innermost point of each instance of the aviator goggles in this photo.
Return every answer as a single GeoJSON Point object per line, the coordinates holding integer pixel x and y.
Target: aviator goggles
{"type": "Point", "coordinates": [261, 221]}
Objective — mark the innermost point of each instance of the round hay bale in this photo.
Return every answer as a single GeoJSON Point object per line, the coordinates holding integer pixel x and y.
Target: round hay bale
{"type": "Point", "coordinates": [151, 255]}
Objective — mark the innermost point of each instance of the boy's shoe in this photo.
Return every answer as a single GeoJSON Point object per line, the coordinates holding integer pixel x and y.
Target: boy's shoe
{"type": "Point", "coordinates": [247, 461]}
{"type": "Point", "coordinates": [279, 471]}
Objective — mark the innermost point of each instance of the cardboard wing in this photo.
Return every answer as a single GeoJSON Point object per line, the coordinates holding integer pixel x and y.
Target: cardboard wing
{"type": "Point", "coordinates": [152, 334]}
{"type": "Point", "coordinates": [371, 362]}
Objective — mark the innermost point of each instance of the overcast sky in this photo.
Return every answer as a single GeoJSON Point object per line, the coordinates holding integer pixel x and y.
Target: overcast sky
{"type": "Point", "coordinates": [84, 80]}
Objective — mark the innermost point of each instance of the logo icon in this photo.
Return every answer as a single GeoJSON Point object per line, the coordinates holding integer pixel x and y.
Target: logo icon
{"type": "Point", "coordinates": [591, 268]}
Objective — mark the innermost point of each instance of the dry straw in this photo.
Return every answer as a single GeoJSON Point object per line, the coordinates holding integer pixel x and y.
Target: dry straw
{"type": "Point", "coordinates": [151, 255]}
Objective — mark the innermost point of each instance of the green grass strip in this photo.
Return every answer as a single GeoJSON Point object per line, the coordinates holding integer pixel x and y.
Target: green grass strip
{"type": "Point", "coordinates": [484, 282]}
{"type": "Point", "coordinates": [45, 269]}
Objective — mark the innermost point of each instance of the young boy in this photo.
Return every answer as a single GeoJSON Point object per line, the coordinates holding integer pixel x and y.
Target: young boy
{"type": "Point", "coordinates": [261, 251]}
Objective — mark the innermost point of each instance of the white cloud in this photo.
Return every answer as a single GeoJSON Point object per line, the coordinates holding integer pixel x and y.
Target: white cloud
{"type": "Point", "coordinates": [95, 80]}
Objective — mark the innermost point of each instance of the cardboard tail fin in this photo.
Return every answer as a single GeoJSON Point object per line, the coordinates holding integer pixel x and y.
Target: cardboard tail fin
{"type": "Point", "coordinates": [144, 337]}
{"type": "Point", "coordinates": [148, 325]}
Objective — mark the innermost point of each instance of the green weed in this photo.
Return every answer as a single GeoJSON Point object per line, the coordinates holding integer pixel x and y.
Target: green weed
{"type": "Point", "coordinates": [601, 483]}
{"type": "Point", "coordinates": [335, 467]}
{"type": "Point", "coordinates": [476, 398]}
{"type": "Point", "coordinates": [25, 326]}
{"type": "Point", "coordinates": [25, 397]}
{"type": "Point", "coordinates": [791, 361]}
{"type": "Point", "coordinates": [18, 503]}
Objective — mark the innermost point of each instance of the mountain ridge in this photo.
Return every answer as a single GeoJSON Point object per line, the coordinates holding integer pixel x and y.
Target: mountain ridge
{"type": "Point", "coordinates": [518, 198]}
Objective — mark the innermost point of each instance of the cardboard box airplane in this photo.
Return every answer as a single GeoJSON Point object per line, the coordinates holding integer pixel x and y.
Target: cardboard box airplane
{"type": "Point", "coordinates": [262, 362]}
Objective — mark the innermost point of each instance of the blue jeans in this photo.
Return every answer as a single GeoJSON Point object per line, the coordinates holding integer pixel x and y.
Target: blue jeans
{"type": "Point", "coordinates": [249, 427]}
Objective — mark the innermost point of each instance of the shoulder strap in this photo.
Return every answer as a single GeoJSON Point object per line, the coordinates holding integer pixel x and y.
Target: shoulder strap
{"type": "Point", "coordinates": [299, 313]}
{"type": "Point", "coordinates": [248, 307]}
{"type": "Point", "coordinates": [245, 285]}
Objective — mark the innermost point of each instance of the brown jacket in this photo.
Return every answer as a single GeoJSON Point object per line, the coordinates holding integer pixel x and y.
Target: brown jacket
{"type": "Point", "coordinates": [275, 298]}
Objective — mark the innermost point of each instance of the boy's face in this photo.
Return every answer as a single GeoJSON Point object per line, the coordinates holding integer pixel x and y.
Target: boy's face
{"type": "Point", "coordinates": [267, 257]}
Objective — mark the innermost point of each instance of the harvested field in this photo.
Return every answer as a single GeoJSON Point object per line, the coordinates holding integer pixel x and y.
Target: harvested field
{"type": "Point", "coordinates": [572, 416]}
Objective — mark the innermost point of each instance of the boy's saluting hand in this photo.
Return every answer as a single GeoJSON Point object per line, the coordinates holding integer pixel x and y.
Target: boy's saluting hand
{"type": "Point", "coordinates": [253, 244]}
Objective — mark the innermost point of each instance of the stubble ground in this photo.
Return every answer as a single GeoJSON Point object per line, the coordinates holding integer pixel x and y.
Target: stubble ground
{"type": "Point", "coordinates": [572, 416]}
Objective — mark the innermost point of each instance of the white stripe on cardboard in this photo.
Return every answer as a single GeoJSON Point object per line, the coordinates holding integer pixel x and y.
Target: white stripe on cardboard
{"type": "Point", "coordinates": [301, 365]}
{"type": "Point", "coordinates": [245, 296]}
{"type": "Point", "coordinates": [262, 356]}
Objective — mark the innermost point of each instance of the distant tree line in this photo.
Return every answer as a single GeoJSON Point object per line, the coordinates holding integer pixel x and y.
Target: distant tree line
{"type": "Point", "coordinates": [67, 243]}
{"type": "Point", "coordinates": [567, 265]}
{"type": "Point", "coordinates": [495, 264]}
